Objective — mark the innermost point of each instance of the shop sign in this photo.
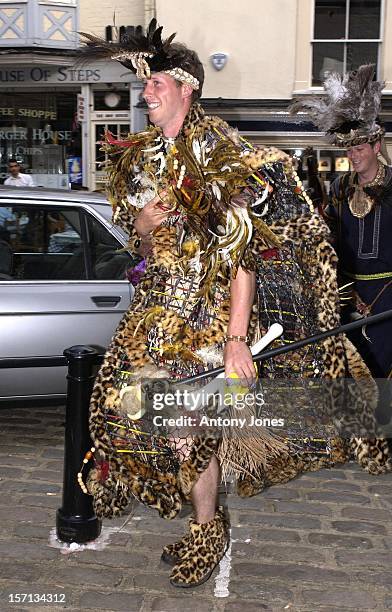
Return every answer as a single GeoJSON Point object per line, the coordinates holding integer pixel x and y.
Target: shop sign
{"type": "Point", "coordinates": [35, 113]}
{"type": "Point", "coordinates": [37, 75]}
{"type": "Point", "coordinates": [82, 108]}
{"type": "Point", "coordinates": [36, 134]}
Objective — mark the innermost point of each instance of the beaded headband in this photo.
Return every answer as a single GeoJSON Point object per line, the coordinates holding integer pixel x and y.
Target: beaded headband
{"type": "Point", "coordinates": [143, 71]}
{"type": "Point", "coordinates": [185, 77]}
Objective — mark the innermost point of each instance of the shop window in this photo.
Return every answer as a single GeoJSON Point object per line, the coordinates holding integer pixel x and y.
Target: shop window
{"type": "Point", "coordinates": [41, 131]}
{"type": "Point", "coordinates": [326, 164]}
{"type": "Point", "coordinates": [117, 34]}
{"type": "Point", "coordinates": [346, 35]}
{"type": "Point", "coordinates": [101, 158]}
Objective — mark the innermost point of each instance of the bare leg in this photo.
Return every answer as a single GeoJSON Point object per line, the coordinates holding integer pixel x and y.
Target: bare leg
{"type": "Point", "coordinates": [205, 493]}
{"type": "Point", "coordinates": [208, 537]}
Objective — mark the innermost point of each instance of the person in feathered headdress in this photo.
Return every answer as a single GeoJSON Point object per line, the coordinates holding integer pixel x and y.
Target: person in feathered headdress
{"type": "Point", "coordinates": [360, 210]}
{"type": "Point", "coordinates": [193, 197]}
{"type": "Point", "coordinates": [176, 190]}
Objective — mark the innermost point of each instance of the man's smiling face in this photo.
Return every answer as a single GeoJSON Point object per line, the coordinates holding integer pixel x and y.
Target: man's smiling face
{"type": "Point", "coordinates": [363, 157]}
{"type": "Point", "coordinates": [165, 100]}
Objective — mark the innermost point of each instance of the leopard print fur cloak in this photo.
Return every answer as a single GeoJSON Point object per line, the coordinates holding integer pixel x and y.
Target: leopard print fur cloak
{"type": "Point", "coordinates": [176, 326]}
{"type": "Point", "coordinates": [349, 395]}
{"type": "Point", "coordinates": [180, 311]}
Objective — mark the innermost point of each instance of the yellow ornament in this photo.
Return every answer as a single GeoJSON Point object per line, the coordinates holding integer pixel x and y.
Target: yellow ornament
{"type": "Point", "coordinates": [235, 390]}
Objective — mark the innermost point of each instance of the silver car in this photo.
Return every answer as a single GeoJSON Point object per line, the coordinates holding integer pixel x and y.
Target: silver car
{"type": "Point", "coordinates": [62, 282]}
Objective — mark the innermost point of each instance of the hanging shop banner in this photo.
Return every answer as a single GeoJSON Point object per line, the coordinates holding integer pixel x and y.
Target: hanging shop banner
{"type": "Point", "coordinates": [81, 108]}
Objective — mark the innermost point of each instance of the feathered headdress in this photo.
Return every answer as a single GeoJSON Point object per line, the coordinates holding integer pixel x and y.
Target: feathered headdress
{"type": "Point", "coordinates": [145, 53]}
{"type": "Point", "coordinates": [349, 111]}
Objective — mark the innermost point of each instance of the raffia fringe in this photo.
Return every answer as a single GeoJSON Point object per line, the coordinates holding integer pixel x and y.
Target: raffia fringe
{"type": "Point", "coordinates": [247, 451]}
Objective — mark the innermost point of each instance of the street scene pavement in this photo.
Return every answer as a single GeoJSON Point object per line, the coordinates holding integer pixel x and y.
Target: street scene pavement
{"type": "Point", "coordinates": [322, 542]}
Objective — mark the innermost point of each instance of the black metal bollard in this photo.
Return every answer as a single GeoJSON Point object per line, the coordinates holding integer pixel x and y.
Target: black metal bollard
{"type": "Point", "coordinates": [75, 520]}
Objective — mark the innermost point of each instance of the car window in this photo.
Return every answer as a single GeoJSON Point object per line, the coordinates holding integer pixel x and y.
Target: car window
{"type": "Point", "coordinates": [107, 263]}
{"type": "Point", "coordinates": [41, 243]}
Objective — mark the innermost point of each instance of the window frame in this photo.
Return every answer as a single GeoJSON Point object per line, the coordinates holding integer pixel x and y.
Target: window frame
{"type": "Point", "coordinates": [85, 214]}
{"type": "Point", "coordinates": [84, 211]}
{"type": "Point", "coordinates": [86, 247]}
{"type": "Point", "coordinates": [345, 41]}
{"type": "Point", "coordinates": [58, 2]}
{"type": "Point", "coordinates": [46, 208]}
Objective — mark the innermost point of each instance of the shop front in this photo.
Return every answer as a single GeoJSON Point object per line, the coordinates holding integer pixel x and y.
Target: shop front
{"type": "Point", "coordinates": [269, 123]}
{"type": "Point", "coordinates": [52, 120]}
{"type": "Point", "coordinates": [40, 131]}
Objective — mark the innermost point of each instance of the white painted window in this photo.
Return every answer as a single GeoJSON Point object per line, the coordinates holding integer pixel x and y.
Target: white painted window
{"type": "Point", "coordinates": [346, 34]}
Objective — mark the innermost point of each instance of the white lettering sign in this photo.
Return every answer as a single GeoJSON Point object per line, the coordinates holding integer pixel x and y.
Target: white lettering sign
{"type": "Point", "coordinates": [104, 72]}
{"type": "Point", "coordinates": [81, 106]}
{"type": "Point", "coordinates": [38, 135]}
{"type": "Point", "coordinates": [111, 115]}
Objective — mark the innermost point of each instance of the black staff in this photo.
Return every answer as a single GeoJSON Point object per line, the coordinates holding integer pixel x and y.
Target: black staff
{"type": "Point", "coordinates": [382, 316]}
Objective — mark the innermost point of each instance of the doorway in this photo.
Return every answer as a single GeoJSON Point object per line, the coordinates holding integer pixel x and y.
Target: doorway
{"type": "Point", "coordinates": [99, 158]}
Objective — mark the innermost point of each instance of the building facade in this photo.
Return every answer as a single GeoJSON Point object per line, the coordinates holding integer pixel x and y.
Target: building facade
{"type": "Point", "coordinates": [257, 57]}
{"type": "Point", "coordinates": [54, 109]}
{"type": "Point", "coordinates": [276, 50]}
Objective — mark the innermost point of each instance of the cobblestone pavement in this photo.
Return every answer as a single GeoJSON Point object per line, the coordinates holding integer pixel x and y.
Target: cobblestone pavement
{"type": "Point", "coordinates": [320, 543]}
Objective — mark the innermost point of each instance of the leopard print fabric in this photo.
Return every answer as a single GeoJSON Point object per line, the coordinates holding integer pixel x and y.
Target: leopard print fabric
{"type": "Point", "coordinates": [172, 322]}
{"type": "Point", "coordinates": [170, 325]}
{"type": "Point", "coordinates": [206, 546]}
{"type": "Point", "coordinates": [351, 407]}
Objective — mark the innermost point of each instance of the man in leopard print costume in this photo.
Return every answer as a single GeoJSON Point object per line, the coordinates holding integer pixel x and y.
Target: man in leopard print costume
{"type": "Point", "coordinates": [173, 189]}
{"type": "Point", "coordinates": [182, 191]}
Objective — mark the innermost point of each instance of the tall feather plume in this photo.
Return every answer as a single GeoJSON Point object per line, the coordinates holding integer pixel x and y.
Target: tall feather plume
{"type": "Point", "coordinates": [151, 42]}
{"type": "Point", "coordinates": [351, 104]}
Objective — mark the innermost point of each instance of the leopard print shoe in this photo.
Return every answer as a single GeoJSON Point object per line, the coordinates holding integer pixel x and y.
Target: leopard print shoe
{"type": "Point", "coordinates": [173, 553]}
{"type": "Point", "coordinates": [208, 545]}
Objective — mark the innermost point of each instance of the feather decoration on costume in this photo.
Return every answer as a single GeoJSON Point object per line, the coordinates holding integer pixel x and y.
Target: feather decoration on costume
{"type": "Point", "coordinates": [349, 111]}
{"type": "Point", "coordinates": [215, 175]}
{"type": "Point", "coordinates": [237, 235]}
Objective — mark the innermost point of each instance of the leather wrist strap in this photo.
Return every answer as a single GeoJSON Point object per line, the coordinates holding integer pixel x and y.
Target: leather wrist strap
{"type": "Point", "coordinates": [142, 238]}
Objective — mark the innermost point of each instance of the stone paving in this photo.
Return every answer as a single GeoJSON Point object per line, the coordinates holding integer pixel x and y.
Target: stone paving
{"type": "Point", "coordinates": [320, 543]}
